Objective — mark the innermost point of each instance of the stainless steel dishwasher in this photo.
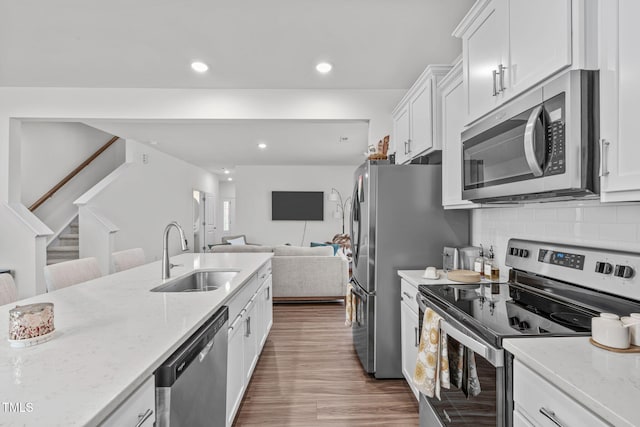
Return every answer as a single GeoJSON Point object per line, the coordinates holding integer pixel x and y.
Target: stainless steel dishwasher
{"type": "Point", "coordinates": [191, 386]}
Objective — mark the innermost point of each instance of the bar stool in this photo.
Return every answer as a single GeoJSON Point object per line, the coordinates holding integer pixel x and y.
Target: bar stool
{"type": "Point", "coordinates": [63, 274]}
{"type": "Point", "coordinates": [129, 258]}
{"type": "Point", "coordinates": [8, 291]}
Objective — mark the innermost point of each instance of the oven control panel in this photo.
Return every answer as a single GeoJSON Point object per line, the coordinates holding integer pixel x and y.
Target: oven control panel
{"type": "Point", "coordinates": [607, 270]}
{"type": "Point", "coordinates": [563, 259]}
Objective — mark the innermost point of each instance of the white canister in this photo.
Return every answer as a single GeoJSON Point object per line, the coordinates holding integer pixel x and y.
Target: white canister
{"type": "Point", "coordinates": [633, 323]}
{"type": "Point", "coordinates": [608, 330]}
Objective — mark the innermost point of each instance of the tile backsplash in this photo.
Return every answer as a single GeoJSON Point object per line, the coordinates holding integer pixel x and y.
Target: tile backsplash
{"type": "Point", "coordinates": [612, 227]}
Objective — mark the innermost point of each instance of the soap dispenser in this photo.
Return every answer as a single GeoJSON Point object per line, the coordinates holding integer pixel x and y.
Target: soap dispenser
{"type": "Point", "coordinates": [478, 263]}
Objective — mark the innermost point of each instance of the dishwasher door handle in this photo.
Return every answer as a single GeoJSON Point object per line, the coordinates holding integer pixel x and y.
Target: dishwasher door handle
{"type": "Point", "coordinates": [205, 351]}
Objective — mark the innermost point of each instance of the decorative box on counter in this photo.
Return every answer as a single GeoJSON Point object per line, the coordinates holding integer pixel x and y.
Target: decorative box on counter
{"type": "Point", "coordinates": [30, 324]}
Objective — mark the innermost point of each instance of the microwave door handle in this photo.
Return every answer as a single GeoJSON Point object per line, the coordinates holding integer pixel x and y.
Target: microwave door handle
{"type": "Point", "coordinates": [492, 355]}
{"type": "Point", "coordinates": [530, 142]}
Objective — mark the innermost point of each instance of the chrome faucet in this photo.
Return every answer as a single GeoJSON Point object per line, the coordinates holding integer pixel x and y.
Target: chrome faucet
{"type": "Point", "coordinates": [166, 265]}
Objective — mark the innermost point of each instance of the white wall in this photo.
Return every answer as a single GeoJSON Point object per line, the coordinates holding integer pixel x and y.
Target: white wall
{"type": "Point", "coordinates": [254, 185]}
{"type": "Point", "coordinates": [50, 150]}
{"type": "Point", "coordinates": [612, 227]}
{"type": "Point", "coordinates": [145, 197]}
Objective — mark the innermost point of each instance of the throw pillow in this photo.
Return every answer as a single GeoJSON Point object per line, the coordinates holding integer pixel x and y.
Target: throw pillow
{"type": "Point", "coordinates": [237, 241]}
{"type": "Point", "coordinates": [335, 247]}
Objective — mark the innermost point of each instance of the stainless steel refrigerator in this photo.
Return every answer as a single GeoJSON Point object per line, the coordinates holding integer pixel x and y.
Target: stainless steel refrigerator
{"type": "Point", "coordinates": [397, 223]}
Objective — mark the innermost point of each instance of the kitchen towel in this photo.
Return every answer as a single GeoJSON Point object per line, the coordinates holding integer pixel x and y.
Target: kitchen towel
{"type": "Point", "coordinates": [350, 302]}
{"type": "Point", "coordinates": [432, 364]}
{"type": "Point", "coordinates": [463, 371]}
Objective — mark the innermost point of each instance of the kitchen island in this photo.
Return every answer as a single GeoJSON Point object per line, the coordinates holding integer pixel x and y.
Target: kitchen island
{"type": "Point", "coordinates": [111, 335]}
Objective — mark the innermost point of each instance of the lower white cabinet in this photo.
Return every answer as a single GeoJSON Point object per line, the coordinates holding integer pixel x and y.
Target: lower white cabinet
{"type": "Point", "coordinates": [138, 410]}
{"type": "Point", "coordinates": [247, 334]}
{"type": "Point", "coordinates": [410, 332]}
{"type": "Point", "coordinates": [538, 402]}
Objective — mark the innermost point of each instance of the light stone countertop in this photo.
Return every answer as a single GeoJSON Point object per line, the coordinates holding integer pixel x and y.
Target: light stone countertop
{"type": "Point", "coordinates": [606, 383]}
{"type": "Point", "coordinates": [111, 335]}
{"type": "Point", "coordinates": [415, 278]}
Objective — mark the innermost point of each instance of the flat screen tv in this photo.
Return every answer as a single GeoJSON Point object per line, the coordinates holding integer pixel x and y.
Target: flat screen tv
{"type": "Point", "coordinates": [297, 206]}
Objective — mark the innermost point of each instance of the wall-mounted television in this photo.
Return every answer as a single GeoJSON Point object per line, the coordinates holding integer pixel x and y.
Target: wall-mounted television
{"type": "Point", "coordinates": [297, 206]}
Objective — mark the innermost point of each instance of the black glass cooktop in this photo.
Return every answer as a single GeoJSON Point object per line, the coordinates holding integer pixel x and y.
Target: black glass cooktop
{"type": "Point", "coordinates": [508, 310]}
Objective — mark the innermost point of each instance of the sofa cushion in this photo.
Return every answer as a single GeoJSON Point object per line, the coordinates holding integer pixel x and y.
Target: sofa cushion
{"type": "Point", "coordinates": [335, 246]}
{"type": "Point", "coordinates": [241, 248]}
{"type": "Point", "coordinates": [237, 241]}
{"type": "Point", "coordinates": [303, 251]}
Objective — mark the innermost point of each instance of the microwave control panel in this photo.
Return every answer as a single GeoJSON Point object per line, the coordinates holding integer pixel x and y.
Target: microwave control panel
{"type": "Point", "coordinates": [555, 148]}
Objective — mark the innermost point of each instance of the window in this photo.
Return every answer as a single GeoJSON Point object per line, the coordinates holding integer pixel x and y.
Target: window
{"type": "Point", "coordinates": [226, 215]}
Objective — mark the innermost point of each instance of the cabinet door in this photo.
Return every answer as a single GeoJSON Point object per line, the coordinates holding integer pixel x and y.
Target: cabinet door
{"type": "Point", "coordinates": [619, 94]}
{"type": "Point", "coordinates": [485, 48]}
{"type": "Point", "coordinates": [401, 134]}
{"type": "Point", "coordinates": [235, 368]}
{"type": "Point", "coordinates": [452, 123]}
{"type": "Point", "coordinates": [420, 120]}
{"type": "Point", "coordinates": [537, 52]}
{"type": "Point", "coordinates": [519, 420]}
{"type": "Point", "coordinates": [409, 343]}
{"type": "Point", "coordinates": [267, 318]}
{"type": "Point", "coordinates": [137, 410]}
{"type": "Point", "coordinates": [251, 332]}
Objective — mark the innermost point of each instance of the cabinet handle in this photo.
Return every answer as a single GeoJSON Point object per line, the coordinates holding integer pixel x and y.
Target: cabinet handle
{"type": "Point", "coordinates": [406, 294]}
{"type": "Point", "coordinates": [501, 69]}
{"type": "Point", "coordinates": [416, 340]}
{"type": "Point", "coordinates": [405, 147]}
{"type": "Point", "coordinates": [604, 157]}
{"type": "Point", "coordinates": [495, 83]}
{"type": "Point", "coordinates": [268, 293]}
{"type": "Point", "coordinates": [408, 146]}
{"type": "Point", "coordinates": [143, 417]}
{"type": "Point", "coordinates": [552, 416]}
{"type": "Point", "coordinates": [248, 326]}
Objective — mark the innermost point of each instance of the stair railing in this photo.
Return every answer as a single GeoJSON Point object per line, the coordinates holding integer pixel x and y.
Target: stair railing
{"type": "Point", "coordinates": [46, 196]}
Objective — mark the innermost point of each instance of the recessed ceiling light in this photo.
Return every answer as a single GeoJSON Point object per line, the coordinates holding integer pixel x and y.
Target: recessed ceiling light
{"type": "Point", "coordinates": [200, 67]}
{"type": "Point", "coordinates": [227, 171]}
{"type": "Point", "coordinates": [262, 145]}
{"type": "Point", "coordinates": [229, 179]}
{"type": "Point", "coordinates": [324, 67]}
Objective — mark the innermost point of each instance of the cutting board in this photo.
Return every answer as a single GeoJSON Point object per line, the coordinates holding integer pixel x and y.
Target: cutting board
{"type": "Point", "coordinates": [632, 349]}
{"type": "Point", "coordinates": [464, 276]}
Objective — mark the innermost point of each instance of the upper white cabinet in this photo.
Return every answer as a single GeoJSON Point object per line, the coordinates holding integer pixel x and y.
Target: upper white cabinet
{"type": "Point", "coordinates": [414, 119]}
{"type": "Point", "coordinates": [619, 94]}
{"type": "Point", "coordinates": [452, 108]}
{"type": "Point", "coordinates": [510, 45]}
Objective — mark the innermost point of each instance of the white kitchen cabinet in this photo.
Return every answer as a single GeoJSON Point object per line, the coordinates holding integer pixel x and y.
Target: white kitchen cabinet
{"type": "Point", "coordinates": [619, 94]}
{"type": "Point", "coordinates": [251, 332]}
{"type": "Point", "coordinates": [452, 111]}
{"type": "Point", "coordinates": [409, 332]}
{"type": "Point", "coordinates": [235, 368]}
{"type": "Point", "coordinates": [538, 402]}
{"type": "Point", "coordinates": [247, 334]}
{"type": "Point", "coordinates": [414, 119]}
{"type": "Point", "coordinates": [138, 410]}
{"type": "Point", "coordinates": [265, 311]}
{"type": "Point", "coordinates": [510, 45]}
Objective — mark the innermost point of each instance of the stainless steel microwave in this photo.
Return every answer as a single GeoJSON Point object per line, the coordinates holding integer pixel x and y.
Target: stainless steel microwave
{"type": "Point", "coordinates": [540, 146]}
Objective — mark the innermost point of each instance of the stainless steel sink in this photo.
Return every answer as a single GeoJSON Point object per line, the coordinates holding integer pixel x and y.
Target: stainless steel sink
{"type": "Point", "coordinates": [199, 281]}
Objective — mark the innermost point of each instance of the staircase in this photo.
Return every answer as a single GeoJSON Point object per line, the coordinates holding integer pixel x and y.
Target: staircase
{"type": "Point", "coordinates": [66, 247]}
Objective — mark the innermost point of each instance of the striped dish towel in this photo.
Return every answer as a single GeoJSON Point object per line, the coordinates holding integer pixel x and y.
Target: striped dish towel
{"type": "Point", "coordinates": [350, 302]}
{"type": "Point", "coordinates": [432, 365]}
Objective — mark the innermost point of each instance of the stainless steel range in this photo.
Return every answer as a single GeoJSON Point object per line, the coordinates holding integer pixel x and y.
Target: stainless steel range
{"type": "Point", "coordinates": [553, 290]}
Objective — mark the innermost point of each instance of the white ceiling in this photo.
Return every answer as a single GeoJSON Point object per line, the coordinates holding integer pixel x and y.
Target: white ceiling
{"type": "Point", "coordinates": [248, 44]}
{"type": "Point", "coordinates": [218, 144]}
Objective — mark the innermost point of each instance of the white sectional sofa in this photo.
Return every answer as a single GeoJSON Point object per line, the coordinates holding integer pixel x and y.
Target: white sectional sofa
{"type": "Point", "coordinates": [302, 273]}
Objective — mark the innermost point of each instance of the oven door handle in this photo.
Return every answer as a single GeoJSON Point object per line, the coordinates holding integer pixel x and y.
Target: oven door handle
{"type": "Point", "coordinates": [495, 356]}
{"type": "Point", "coordinates": [530, 141]}
{"type": "Point", "coordinates": [492, 355]}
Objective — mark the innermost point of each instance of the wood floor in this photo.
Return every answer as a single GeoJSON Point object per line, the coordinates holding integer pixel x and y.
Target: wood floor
{"type": "Point", "coordinates": [309, 375]}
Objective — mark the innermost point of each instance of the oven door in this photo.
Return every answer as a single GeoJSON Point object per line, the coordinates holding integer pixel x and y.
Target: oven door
{"type": "Point", "coordinates": [455, 408]}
